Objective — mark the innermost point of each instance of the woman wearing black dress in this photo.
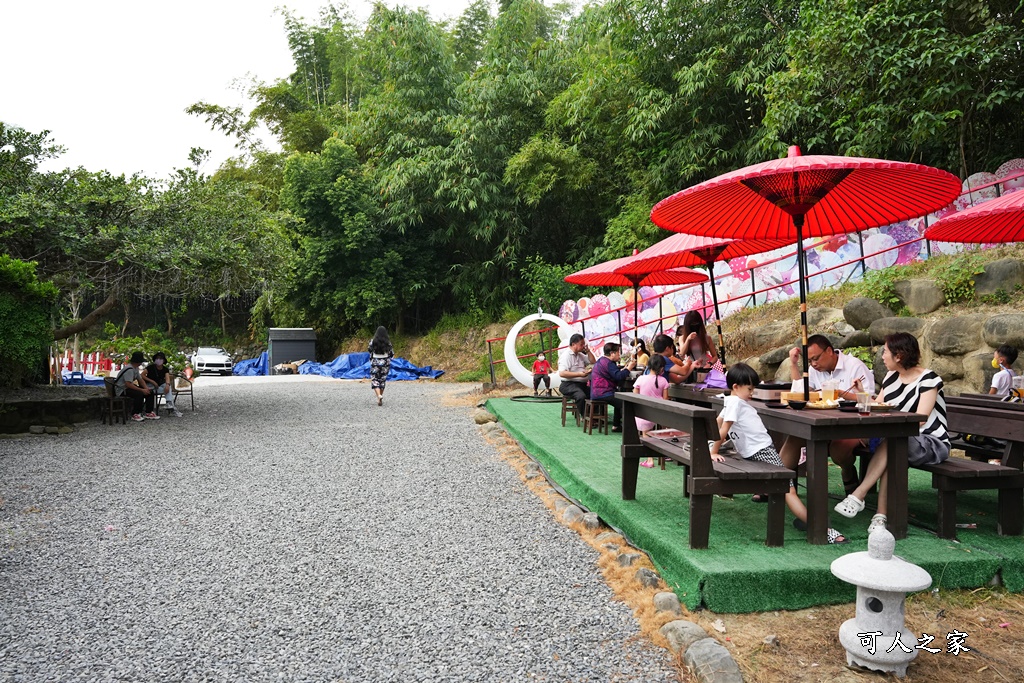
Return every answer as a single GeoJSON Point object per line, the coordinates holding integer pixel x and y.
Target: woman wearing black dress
{"type": "Point", "coordinates": [381, 353]}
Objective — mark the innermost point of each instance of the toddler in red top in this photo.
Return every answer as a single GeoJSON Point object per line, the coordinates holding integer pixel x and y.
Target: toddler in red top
{"type": "Point", "coordinates": [541, 370]}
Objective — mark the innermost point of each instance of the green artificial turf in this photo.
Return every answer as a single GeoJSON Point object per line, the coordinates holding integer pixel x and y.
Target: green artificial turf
{"type": "Point", "coordinates": [738, 573]}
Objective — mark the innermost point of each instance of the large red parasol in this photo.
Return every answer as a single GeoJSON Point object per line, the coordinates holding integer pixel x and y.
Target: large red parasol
{"type": "Point", "coordinates": [608, 274]}
{"type": "Point", "coordinates": [693, 250]}
{"type": "Point", "coordinates": [806, 196]}
{"type": "Point", "coordinates": [995, 221]}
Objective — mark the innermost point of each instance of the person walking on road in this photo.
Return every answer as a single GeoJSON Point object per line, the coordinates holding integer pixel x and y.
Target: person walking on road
{"type": "Point", "coordinates": [381, 353]}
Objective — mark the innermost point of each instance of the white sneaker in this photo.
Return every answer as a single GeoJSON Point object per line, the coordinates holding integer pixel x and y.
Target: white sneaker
{"type": "Point", "coordinates": [138, 418]}
{"type": "Point", "coordinates": [151, 416]}
{"type": "Point", "coordinates": [177, 413]}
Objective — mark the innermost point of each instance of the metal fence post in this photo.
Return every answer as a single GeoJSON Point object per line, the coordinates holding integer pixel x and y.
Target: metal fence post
{"type": "Point", "coordinates": [490, 356]}
{"type": "Point", "coordinates": [863, 265]}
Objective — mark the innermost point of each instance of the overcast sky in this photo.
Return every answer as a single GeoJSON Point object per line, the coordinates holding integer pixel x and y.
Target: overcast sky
{"type": "Point", "coordinates": [111, 79]}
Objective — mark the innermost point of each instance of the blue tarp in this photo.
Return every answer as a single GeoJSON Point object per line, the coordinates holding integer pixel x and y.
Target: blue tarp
{"type": "Point", "coordinates": [345, 366]}
{"type": "Point", "coordinates": [253, 366]}
{"type": "Point", "coordinates": [357, 366]}
{"type": "Point", "coordinates": [81, 378]}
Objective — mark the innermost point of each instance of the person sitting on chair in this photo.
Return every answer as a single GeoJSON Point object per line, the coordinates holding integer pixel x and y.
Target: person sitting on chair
{"type": "Point", "coordinates": [574, 367]}
{"type": "Point", "coordinates": [606, 378]}
{"type": "Point", "coordinates": [161, 380]}
{"type": "Point", "coordinates": [129, 382]}
{"type": "Point", "coordinates": [827, 364]}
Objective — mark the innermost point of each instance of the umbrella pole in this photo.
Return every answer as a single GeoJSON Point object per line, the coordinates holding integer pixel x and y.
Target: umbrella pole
{"type": "Point", "coordinates": [798, 221]}
{"type": "Point", "coordinates": [718, 318]}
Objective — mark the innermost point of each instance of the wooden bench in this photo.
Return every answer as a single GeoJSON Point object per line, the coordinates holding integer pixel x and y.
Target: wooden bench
{"type": "Point", "coordinates": [961, 474]}
{"type": "Point", "coordinates": [703, 477]}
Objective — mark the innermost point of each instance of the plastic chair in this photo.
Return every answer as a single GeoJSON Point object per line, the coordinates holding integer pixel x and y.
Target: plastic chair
{"type": "Point", "coordinates": [76, 377]}
{"type": "Point", "coordinates": [595, 413]}
{"type": "Point", "coordinates": [115, 407]}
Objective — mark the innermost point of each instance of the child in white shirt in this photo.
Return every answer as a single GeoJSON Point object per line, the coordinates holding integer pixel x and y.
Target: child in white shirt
{"type": "Point", "coordinates": [740, 422]}
{"type": "Point", "coordinates": [1003, 358]}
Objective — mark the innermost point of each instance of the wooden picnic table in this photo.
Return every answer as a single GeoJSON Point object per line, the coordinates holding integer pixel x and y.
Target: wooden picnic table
{"type": "Point", "coordinates": [817, 428]}
{"type": "Point", "coordinates": [689, 393]}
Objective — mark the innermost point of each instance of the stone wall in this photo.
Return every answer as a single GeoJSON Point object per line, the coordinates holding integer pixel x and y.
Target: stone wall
{"type": "Point", "coordinates": [959, 348]}
{"type": "Point", "coordinates": [54, 415]}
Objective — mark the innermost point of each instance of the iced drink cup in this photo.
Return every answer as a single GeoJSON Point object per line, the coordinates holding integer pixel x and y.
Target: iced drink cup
{"type": "Point", "coordinates": [863, 403]}
{"type": "Point", "coordinates": [829, 390]}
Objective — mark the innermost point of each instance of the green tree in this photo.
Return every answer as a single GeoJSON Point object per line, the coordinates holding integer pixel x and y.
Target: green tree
{"type": "Point", "coordinates": [26, 307]}
{"type": "Point", "coordinates": [934, 82]}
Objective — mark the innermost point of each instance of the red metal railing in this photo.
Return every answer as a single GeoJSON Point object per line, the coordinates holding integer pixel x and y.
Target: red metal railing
{"type": "Point", "coordinates": [708, 309]}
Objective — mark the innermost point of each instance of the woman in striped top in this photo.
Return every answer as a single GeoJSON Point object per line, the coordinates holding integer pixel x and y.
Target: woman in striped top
{"type": "Point", "coordinates": [912, 389]}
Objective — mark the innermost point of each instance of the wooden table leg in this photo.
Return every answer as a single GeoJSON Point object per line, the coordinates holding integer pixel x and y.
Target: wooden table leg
{"type": "Point", "coordinates": [898, 488]}
{"type": "Point", "coordinates": [631, 455]}
{"type": "Point", "coordinates": [817, 492]}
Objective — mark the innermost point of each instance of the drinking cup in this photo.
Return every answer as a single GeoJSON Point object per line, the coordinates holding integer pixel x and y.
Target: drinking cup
{"type": "Point", "coordinates": [1018, 382]}
{"type": "Point", "coordinates": [863, 403]}
{"type": "Point", "coordinates": [829, 390]}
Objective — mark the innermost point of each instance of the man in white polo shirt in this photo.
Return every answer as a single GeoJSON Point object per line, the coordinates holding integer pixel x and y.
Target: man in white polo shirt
{"type": "Point", "coordinates": [827, 364]}
{"type": "Point", "coordinates": [575, 363]}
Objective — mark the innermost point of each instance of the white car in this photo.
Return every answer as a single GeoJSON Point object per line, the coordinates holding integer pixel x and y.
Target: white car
{"type": "Point", "coordinates": [212, 359]}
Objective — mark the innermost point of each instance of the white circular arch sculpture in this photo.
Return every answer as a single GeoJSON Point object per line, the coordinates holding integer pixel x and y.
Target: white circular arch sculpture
{"type": "Point", "coordinates": [523, 375]}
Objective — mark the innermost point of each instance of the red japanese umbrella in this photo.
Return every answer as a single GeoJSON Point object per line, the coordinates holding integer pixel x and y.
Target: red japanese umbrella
{"type": "Point", "coordinates": [997, 220]}
{"type": "Point", "coordinates": [806, 196]}
{"type": "Point", "coordinates": [693, 250]}
{"type": "Point", "coordinates": [608, 274]}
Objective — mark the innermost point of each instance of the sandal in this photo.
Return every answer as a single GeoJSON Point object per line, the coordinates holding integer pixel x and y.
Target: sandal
{"type": "Point", "coordinates": [759, 498]}
{"type": "Point", "coordinates": [850, 484]}
{"type": "Point", "coordinates": [647, 463]}
{"type": "Point", "coordinates": [836, 538]}
{"type": "Point", "coordinates": [850, 506]}
{"type": "Point", "coordinates": [799, 524]}
{"type": "Point", "coordinates": [877, 522]}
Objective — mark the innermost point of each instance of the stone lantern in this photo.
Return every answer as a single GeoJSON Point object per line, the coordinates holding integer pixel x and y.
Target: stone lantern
{"type": "Point", "coordinates": [876, 638]}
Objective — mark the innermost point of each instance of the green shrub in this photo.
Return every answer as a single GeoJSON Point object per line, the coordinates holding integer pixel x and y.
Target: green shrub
{"type": "Point", "coordinates": [26, 329]}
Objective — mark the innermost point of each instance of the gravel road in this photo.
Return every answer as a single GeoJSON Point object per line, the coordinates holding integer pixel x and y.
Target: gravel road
{"type": "Point", "coordinates": [291, 530]}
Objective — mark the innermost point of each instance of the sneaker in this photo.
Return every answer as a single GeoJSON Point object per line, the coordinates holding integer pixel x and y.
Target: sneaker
{"type": "Point", "coordinates": [547, 393]}
{"type": "Point", "coordinates": [151, 416]}
{"type": "Point", "coordinates": [178, 413]}
{"type": "Point", "coordinates": [138, 418]}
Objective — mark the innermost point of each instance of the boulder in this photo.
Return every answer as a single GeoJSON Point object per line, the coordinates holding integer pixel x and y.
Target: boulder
{"type": "Point", "coordinates": [978, 372]}
{"type": "Point", "coordinates": [608, 536]}
{"type": "Point", "coordinates": [775, 356]}
{"type": "Point", "coordinates": [885, 326]}
{"type": "Point", "coordinates": [755, 363]}
{"type": "Point", "coordinates": [919, 296]}
{"type": "Point", "coordinates": [855, 338]}
{"type": "Point", "coordinates": [627, 559]}
{"type": "Point", "coordinates": [667, 601]}
{"type": "Point", "coordinates": [483, 417]}
{"type": "Point", "coordinates": [862, 311]}
{"type": "Point", "coordinates": [681, 634]}
{"type": "Point", "coordinates": [782, 373]}
{"type": "Point", "coordinates": [1006, 274]}
{"type": "Point", "coordinates": [956, 336]}
{"type": "Point", "coordinates": [572, 514]}
{"type": "Point", "coordinates": [770, 335]}
{"type": "Point", "coordinates": [712, 663]}
{"type": "Point", "coordinates": [843, 328]}
{"type": "Point", "coordinates": [949, 368]}
{"type": "Point", "coordinates": [648, 577]}
{"type": "Point", "coordinates": [591, 520]}
{"type": "Point", "coordinates": [819, 317]}
{"type": "Point", "coordinates": [1005, 329]}
{"type": "Point", "coordinates": [879, 368]}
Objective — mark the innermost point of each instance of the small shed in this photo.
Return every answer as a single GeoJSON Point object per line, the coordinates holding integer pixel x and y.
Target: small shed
{"type": "Point", "coordinates": [289, 344]}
